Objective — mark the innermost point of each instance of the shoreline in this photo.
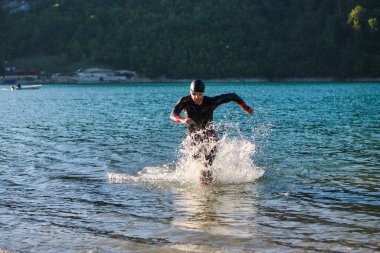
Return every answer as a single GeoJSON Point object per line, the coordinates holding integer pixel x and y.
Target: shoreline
{"type": "Point", "coordinates": [68, 80]}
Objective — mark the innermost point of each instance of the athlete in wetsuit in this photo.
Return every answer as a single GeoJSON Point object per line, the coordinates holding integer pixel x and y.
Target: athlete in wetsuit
{"type": "Point", "coordinates": [199, 111]}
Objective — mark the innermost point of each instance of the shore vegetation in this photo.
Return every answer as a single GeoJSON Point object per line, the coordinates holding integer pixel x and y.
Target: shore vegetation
{"type": "Point", "coordinates": [204, 39]}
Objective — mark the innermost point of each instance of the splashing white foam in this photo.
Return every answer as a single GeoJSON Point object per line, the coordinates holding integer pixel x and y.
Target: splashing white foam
{"type": "Point", "coordinates": [233, 164]}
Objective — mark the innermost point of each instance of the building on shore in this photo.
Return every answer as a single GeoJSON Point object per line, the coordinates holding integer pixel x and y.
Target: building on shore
{"type": "Point", "coordinates": [103, 75]}
{"type": "Point", "coordinates": [12, 75]}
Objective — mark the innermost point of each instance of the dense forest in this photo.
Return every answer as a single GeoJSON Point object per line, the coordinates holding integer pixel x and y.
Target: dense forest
{"type": "Point", "coordinates": [202, 39]}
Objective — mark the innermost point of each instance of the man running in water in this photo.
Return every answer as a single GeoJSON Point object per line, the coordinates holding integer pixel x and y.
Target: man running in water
{"type": "Point", "coordinates": [199, 111]}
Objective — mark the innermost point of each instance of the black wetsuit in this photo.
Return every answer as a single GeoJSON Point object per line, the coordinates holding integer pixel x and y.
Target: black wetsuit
{"type": "Point", "coordinates": [202, 115]}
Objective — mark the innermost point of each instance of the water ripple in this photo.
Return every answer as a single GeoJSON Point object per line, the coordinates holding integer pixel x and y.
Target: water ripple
{"type": "Point", "coordinates": [92, 168]}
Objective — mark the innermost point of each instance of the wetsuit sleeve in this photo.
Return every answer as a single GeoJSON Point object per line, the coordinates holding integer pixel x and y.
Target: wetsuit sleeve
{"type": "Point", "coordinates": [230, 97]}
{"type": "Point", "coordinates": [175, 114]}
{"type": "Point", "coordinates": [225, 98]}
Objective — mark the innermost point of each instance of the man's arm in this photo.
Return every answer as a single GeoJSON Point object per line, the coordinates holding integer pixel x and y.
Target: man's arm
{"type": "Point", "coordinates": [175, 114]}
{"type": "Point", "coordinates": [225, 98]}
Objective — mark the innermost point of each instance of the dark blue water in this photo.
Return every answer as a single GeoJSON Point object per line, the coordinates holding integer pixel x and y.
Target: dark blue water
{"type": "Point", "coordinates": [101, 168]}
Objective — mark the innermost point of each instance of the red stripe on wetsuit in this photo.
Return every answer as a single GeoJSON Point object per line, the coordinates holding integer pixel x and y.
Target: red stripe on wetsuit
{"type": "Point", "coordinates": [178, 119]}
{"type": "Point", "coordinates": [244, 105]}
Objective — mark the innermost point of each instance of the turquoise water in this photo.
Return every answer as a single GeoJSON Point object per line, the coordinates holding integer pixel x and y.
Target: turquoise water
{"type": "Point", "coordinates": [101, 168]}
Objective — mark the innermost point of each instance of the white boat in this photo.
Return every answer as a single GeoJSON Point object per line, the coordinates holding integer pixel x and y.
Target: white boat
{"type": "Point", "coordinates": [26, 87]}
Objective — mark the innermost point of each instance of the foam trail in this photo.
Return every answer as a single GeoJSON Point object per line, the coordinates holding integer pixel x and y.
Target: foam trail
{"type": "Point", "coordinates": [233, 164]}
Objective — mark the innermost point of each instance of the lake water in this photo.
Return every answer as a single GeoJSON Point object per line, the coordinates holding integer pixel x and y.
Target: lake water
{"type": "Point", "coordinates": [101, 168]}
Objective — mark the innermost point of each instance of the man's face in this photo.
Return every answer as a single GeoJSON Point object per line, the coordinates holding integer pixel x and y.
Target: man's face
{"type": "Point", "coordinates": [197, 97]}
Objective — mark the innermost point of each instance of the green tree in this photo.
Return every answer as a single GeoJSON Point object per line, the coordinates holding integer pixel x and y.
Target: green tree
{"type": "Point", "coordinates": [355, 18]}
{"type": "Point", "coordinates": [205, 39]}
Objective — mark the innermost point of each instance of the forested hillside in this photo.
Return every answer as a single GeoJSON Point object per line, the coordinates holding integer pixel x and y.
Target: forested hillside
{"type": "Point", "coordinates": [203, 39]}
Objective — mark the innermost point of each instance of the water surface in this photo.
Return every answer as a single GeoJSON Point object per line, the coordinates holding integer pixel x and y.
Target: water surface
{"type": "Point", "coordinates": [101, 168]}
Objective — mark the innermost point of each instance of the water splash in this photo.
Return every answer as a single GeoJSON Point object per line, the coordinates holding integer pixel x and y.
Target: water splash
{"type": "Point", "coordinates": [233, 163]}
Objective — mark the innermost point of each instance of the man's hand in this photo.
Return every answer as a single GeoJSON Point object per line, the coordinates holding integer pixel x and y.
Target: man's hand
{"type": "Point", "coordinates": [249, 110]}
{"type": "Point", "coordinates": [179, 119]}
{"type": "Point", "coordinates": [188, 121]}
{"type": "Point", "coordinates": [246, 108]}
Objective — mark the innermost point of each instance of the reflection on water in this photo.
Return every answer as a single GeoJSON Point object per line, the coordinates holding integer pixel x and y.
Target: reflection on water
{"type": "Point", "coordinates": [222, 216]}
{"type": "Point", "coordinates": [217, 211]}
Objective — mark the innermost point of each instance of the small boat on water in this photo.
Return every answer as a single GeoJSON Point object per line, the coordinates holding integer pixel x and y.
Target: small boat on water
{"type": "Point", "coordinates": [26, 87]}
